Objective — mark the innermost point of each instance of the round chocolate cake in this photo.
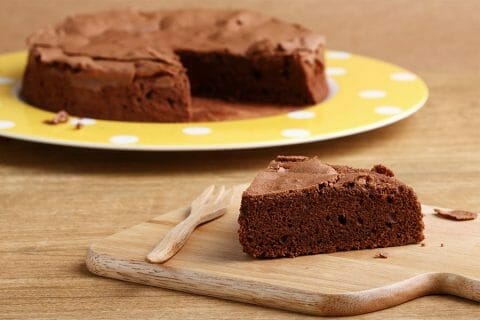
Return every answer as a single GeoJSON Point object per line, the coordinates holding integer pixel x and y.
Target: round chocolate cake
{"type": "Point", "coordinates": [144, 66]}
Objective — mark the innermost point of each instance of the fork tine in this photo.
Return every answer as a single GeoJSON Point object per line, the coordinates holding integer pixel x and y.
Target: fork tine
{"type": "Point", "coordinates": [205, 195]}
{"type": "Point", "coordinates": [225, 197]}
{"type": "Point", "coordinates": [231, 194]}
{"type": "Point", "coordinates": [220, 195]}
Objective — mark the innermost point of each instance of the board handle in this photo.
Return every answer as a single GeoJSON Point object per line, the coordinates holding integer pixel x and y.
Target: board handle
{"type": "Point", "coordinates": [456, 285]}
{"type": "Point", "coordinates": [376, 299]}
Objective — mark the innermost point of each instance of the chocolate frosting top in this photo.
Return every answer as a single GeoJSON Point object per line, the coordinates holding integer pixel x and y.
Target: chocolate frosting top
{"type": "Point", "coordinates": [288, 173]}
{"type": "Point", "coordinates": [291, 173]}
{"type": "Point", "coordinates": [84, 41]}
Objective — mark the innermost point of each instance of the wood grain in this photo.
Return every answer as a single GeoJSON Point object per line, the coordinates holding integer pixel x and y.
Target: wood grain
{"type": "Point", "coordinates": [55, 201]}
{"type": "Point", "coordinates": [340, 284]}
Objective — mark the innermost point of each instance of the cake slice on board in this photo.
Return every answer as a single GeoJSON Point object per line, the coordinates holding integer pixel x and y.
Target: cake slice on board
{"type": "Point", "coordinates": [301, 206]}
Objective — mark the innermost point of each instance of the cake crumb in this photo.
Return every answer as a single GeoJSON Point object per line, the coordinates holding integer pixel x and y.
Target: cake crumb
{"type": "Point", "coordinates": [381, 255]}
{"type": "Point", "coordinates": [78, 125]}
{"type": "Point", "coordinates": [441, 245]}
{"type": "Point", "coordinates": [422, 244]}
{"type": "Point", "coordinates": [60, 117]}
{"type": "Point", "coordinates": [458, 215]}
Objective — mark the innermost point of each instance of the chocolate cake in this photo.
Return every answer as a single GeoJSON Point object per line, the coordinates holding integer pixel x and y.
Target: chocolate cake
{"type": "Point", "coordinates": [144, 66]}
{"type": "Point", "coordinates": [301, 206]}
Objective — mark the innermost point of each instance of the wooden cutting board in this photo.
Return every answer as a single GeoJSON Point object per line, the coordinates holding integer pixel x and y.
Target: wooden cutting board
{"type": "Point", "coordinates": [345, 283]}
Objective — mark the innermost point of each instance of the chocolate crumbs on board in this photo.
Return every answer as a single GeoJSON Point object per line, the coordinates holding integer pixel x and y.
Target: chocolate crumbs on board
{"type": "Point", "coordinates": [458, 215]}
{"type": "Point", "coordinates": [60, 117]}
{"type": "Point", "coordinates": [381, 255]}
{"type": "Point", "coordinates": [422, 244]}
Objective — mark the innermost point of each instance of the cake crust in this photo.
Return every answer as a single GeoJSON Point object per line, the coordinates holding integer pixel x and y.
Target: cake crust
{"type": "Point", "coordinates": [337, 208]}
{"type": "Point", "coordinates": [144, 66]}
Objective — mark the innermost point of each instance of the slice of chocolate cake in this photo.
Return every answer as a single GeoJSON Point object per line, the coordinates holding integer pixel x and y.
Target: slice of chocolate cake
{"type": "Point", "coordinates": [301, 206]}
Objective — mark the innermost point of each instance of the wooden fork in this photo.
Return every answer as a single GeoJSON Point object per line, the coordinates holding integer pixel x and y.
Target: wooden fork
{"type": "Point", "coordinates": [209, 205]}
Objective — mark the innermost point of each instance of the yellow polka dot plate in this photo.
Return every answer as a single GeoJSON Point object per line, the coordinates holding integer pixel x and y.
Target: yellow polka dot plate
{"type": "Point", "coordinates": [365, 94]}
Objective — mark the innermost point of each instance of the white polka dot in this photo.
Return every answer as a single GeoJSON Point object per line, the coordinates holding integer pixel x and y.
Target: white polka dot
{"type": "Point", "coordinates": [403, 76]}
{"type": "Point", "coordinates": [388, 110]}
{"type": "Point", "coordinates": [301, 114]}
{"type": "Point", "coordinates": [295, 133]}
{"type": "Point", "coordinates": [336, 71]}
{"type": "Point", "coordinates": [83, 121]}
{"type": "Point", "coordinates": [338, 55]}
{"type": "Point", "coordinates": [123, 139]}
{"type": "Point", "coordinates": [332, 88]}
{"type": "Point", "coordinates": [6, 80]}
{"type": "Point", "coordinates": [372, 94]}
{"type": "Point", "coordinates": [197, 131]}
{"type": "Point", "coordinates": [5, 124]}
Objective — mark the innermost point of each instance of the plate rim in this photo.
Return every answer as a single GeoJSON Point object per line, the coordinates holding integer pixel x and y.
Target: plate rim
{"type": "Point", "coordinates": [230, 146]}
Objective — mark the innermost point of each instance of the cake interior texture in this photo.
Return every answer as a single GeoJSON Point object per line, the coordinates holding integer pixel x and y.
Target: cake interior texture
{"type": "Point", "coordinates": [301, 206]}
{"type": "Point", "coordinates": [144, 66]}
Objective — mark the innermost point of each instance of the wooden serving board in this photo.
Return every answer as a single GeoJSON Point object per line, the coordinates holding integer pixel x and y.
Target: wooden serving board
{"type": "Point", "coordinates": [345, 283]}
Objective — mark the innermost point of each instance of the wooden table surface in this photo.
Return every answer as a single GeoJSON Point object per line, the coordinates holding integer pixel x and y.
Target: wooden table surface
{"type": "Point", "coordinates": [55, 201]}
